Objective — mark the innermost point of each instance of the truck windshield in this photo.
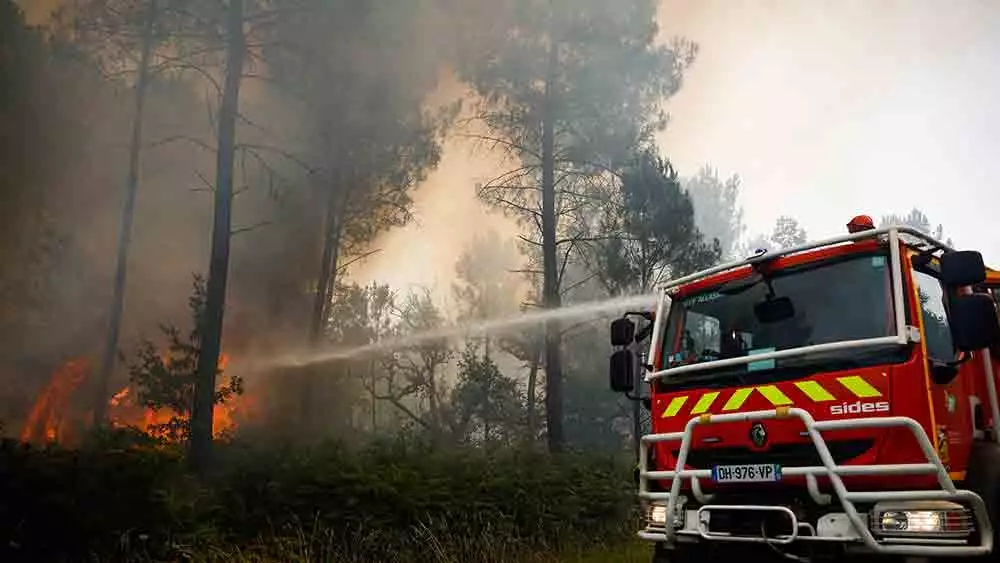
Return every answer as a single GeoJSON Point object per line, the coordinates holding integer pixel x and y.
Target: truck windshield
{"type": "Point", "coordinates": [831, 301]}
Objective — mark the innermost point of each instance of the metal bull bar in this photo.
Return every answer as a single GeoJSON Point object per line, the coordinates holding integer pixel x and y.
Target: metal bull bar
{"type": "Point", "coordinates": [831, 471]}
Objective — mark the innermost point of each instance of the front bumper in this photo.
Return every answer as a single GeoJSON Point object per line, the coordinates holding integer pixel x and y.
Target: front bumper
{"type": "Point", "coordinates": [845, 524]}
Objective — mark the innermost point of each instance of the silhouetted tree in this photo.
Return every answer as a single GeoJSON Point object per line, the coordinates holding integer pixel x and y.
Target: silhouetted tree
{"type": "Point", "coordinates": [167, 381]}
{"type": "Point", "coordinates": [415, 372]}
{"type": "Point", "coordinates": [919, 221]}
{"type": "Point", "coordinates": [787, 233]}
{"type": "Point", "coordinates": [569, 88]}
{"type": "Point", "coordinates": [717, 212]}
{"type": "Point", "coordinates": [649, 233]}
{"type": "Point", "coordinates": [359, 316]}
{"type": "Point", "coordinates": [486, 405]}
{"type": "Point", "coordinates": [486, 285]}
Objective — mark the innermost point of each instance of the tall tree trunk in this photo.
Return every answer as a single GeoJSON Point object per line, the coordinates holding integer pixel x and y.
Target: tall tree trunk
{"type": "Point", "coordinates": [327, 271]}
{"type": "Point", "coordinates": [125, 231]}
{"type": "Point", "coordinates": [372, 395]}
{"type": "Point", "coordinates": [536, 353]}
{"type": "Point", "coordinates": [324, 294]}
{"type": "Point", "coordinates": [433, 403]}
{"type": "Point", "coordinates": [218, 270]}
{"type": "Point", "coordinates": [550, 293]}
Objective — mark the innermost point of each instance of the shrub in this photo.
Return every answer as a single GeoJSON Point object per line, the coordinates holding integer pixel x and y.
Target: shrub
{"type": "Point", "coordinates": [383, 502]}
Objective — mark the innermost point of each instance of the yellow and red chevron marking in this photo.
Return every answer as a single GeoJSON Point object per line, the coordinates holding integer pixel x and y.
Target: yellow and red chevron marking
{"type": "Point", "coordinates": [810, 390]}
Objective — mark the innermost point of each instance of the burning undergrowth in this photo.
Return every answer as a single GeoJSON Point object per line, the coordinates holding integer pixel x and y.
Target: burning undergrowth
{"type": "Point", "coordinates": [60, 414]}
{"type": "Point", "coordinates": [157, 401]}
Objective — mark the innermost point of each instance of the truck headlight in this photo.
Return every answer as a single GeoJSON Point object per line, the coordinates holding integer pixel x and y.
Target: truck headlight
{"type": "Point", "coordinates": [911, 521]}
{"type": "Point", "coordinates": [656, 514]}
{"type": "Point", "coordinates": [922, 518]}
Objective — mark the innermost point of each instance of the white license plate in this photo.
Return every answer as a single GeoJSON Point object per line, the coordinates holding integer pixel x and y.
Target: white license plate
{"type": "Point", "coordinates": [750, 473]}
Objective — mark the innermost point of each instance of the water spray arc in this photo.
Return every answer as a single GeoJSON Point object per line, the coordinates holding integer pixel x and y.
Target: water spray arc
{"type": "Point", "coordinates": [499, 325]}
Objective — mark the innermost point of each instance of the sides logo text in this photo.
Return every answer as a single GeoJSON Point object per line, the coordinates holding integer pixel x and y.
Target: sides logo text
{"type": "Point", "coordinates": [860, 407]}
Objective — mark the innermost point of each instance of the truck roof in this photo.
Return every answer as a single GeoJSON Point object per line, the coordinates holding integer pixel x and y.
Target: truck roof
{"type": "Point", "coordinates": [811, 251]}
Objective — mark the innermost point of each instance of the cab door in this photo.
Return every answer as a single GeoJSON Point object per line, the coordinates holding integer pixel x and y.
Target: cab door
{"type": "Point", "coordinates": [950, 387]}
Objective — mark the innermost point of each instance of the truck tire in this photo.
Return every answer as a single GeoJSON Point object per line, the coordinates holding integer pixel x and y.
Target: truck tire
{"type": "Point", "coordinates": [983, 477]}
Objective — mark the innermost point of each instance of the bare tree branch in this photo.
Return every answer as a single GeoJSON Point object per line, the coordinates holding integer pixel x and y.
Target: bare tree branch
{"type": "Point", "coordinates": [257, 225]}
{"type": "Point", "coordinates": [529, 241]}
{"type": "Point", "coordinates": [204, 181]}
{"type": "Point", "coordinates": [280, 152]}
{"type": "Point", "coordinates": [175, 138]}
{"type": "Point", "coordinates": [577, 284]}
{"type": "Point", "coordinates": [565, 262]}
{"type": "Point", "coordinates": [503, 201]}
{"type": "Point", "coordinates": [515, 147]}
{"type": "Point", "coordinates": [176, 63]}
{"type": "Point", "coordinates": [357, 259]}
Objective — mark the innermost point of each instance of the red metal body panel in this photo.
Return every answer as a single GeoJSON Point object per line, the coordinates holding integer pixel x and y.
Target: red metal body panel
{"type": "Point", "coordinates": [903, 389]}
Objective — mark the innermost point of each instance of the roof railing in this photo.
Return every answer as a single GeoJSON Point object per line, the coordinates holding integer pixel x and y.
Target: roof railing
{"type": "Point", "coordinates": [923, 243]}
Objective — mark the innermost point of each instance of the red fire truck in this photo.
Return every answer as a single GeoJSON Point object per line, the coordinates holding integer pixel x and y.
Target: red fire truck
{"type": "Point", "coordinates": [832, 400]}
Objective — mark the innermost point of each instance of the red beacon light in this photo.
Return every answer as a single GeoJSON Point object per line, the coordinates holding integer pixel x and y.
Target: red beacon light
{"type": "Point", "coordinates": [860, 223]}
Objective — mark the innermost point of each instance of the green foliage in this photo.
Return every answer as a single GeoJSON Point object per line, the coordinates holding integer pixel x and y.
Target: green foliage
{"type": "Point", "coordinates": [64, 505]}
{"type": "Point", "coordinates": [167, 381]}
{"type": "Point", "coordinates": [650, 230]}
{"type": "Point", "coordinates": [328, 56]}
{"type": "Point", "coordinates": [488, 406]}
{"type": "Point", "coordinates": [361, 314]}
{"type": "Point", "coordinates": [592, 72]}
{"type": "Point", "coordinates": [609, 78]}
{"type": "Point", "coordinates": [596, 419]}
{"type": "Point", "coordinates": [387, 502]}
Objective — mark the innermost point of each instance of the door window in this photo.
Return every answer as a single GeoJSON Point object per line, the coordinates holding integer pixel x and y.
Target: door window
{"type": "Point", "coordinates": [932, 309]}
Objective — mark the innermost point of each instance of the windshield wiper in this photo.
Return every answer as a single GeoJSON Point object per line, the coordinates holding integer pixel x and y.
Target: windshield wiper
{"type": "Point", "coordinates": [790, 368]}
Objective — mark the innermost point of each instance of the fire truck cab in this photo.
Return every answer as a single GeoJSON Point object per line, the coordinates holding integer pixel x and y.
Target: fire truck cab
{"type": "Point", "coordinates": [833, 400]}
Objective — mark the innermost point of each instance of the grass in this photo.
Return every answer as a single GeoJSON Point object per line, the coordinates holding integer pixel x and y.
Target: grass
{"type": "Point", "coordinates": [630, 552]}
{"type": "Point", "coordinates": [331, 504]}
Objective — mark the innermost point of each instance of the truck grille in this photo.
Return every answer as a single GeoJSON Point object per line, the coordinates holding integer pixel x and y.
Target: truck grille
{"type": "Point", "coordinates": [792, 455]}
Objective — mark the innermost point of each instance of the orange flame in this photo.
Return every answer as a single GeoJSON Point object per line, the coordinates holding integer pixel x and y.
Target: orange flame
{"type": "Point", "coordinates": [118, 397]}
{"type": "Point", "coordinates": [224, 417]}
{"type": "Point", "coordinates": [47, 420]}
{"type": "Point", "coordinates": [50, 420]}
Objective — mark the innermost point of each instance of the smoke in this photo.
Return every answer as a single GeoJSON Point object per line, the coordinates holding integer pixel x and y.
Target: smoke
{"type": "Point", "coordinates": [447, 214]}
{"type": "Point", "coordinates": [37, 12]}
{"type": "Point", "coordinates": [68, 190]}
{"type": "Point", "coordinates": [80, 153]}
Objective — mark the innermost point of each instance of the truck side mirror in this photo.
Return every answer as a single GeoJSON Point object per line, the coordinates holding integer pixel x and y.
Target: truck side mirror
{"type": "Point", "coordinates": [961, 268]}
{"type": "Point", "coordinates": [973, 322]}
{"type": "Point", "coordinates": [622, 371]}
{"type": "Point", "coordinates": [622, 332]}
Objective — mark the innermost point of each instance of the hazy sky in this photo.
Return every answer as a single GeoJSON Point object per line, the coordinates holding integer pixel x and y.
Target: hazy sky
{"type": "Point", "coordinates": [827, 109]}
